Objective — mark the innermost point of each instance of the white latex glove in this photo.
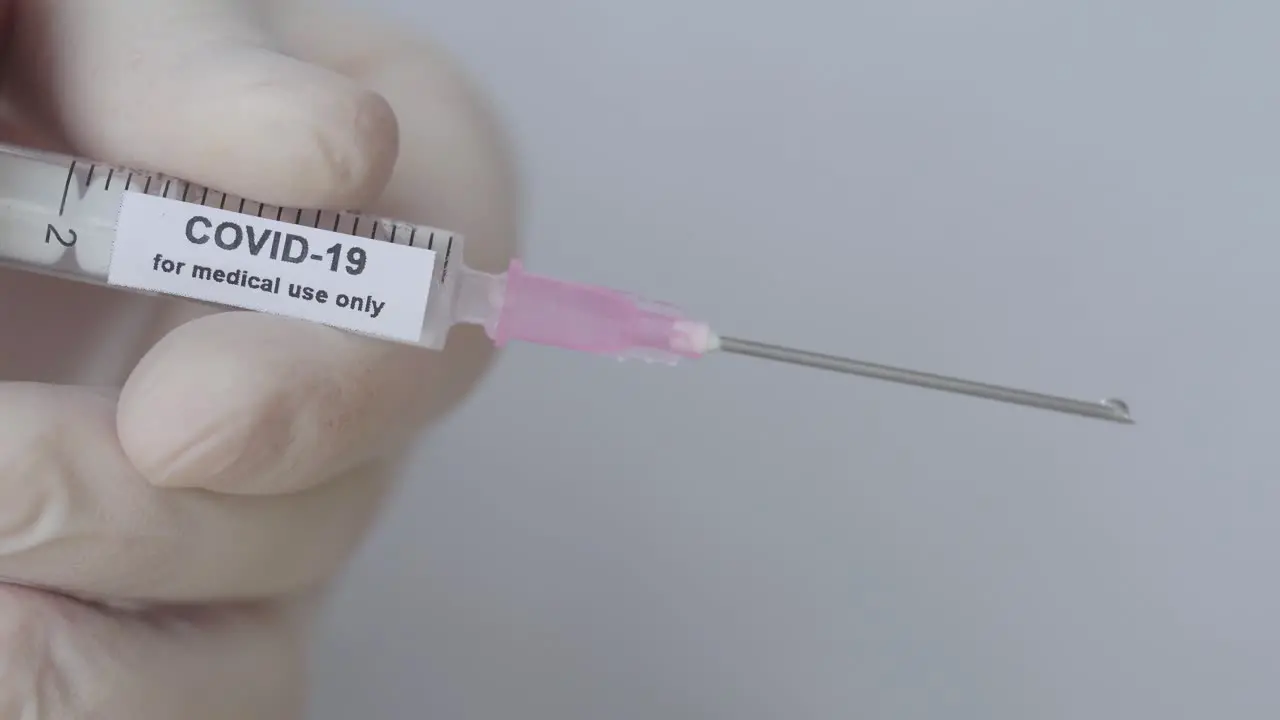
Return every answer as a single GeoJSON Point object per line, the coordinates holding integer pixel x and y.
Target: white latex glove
{"type": "Point", "coordinates": [211, 472]}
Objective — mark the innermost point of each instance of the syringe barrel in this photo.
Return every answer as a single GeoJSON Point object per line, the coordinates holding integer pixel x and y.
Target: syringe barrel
{"type": "Point", "coordinates": [58, 217]}
{"type": "Point", "coordinates": [68, 217]}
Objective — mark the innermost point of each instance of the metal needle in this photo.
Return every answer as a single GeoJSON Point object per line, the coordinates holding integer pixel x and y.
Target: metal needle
{"type": "Point", "coordinates": [1111, 409]}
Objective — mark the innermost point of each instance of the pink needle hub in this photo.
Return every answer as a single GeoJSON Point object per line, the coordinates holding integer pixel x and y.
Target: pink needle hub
{"type": "Point", "coordinates": [595, 320]}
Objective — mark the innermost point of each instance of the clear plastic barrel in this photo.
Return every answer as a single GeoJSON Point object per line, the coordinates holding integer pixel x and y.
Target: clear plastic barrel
{"type": "Point", "coordinates": [58, 217]}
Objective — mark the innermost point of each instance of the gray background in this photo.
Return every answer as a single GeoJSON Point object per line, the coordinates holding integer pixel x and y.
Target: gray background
{"type": "Point", "coordinates": [1077, 196]}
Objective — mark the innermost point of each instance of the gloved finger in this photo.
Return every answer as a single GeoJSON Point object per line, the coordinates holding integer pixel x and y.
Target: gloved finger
{"type": "Point", "coordinates": [255, 404]}
{"type": "Point", "coordinates": [455, 168]}
{"type": "Point", "coordinates": [198, 89]}
{"type": "Point", "coordinates": [77, 516]}
{"type": "Point", "coordinates": [65, 659]}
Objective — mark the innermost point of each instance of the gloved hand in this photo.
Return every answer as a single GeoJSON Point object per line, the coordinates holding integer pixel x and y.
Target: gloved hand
{"type": "Point", "coordinates": [176, 486]}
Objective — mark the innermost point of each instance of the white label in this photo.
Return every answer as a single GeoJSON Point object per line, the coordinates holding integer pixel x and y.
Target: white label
{"type": "Point", "coordinates": [243, 261]}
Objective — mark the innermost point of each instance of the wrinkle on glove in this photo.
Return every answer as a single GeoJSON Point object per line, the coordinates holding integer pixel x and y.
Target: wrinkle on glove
{"type": "Point", "coordinates": [77, 516]}
{"type": "Point", "coordinates": [61, 659]}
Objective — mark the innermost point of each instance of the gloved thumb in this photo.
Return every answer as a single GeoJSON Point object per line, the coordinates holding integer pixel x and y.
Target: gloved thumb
{"type": "Point", "coordinates": [198, 89]}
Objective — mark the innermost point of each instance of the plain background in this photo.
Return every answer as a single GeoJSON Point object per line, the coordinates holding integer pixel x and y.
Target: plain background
{"type": "Point", "coordinates": [1076, 196]}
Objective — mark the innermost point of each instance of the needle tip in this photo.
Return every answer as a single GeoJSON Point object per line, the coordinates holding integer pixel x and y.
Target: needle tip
{"type": "Point", "coordinates": [1119, 411]}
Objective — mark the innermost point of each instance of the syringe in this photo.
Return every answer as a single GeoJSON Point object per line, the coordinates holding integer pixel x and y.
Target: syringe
{"type": "Point", "coordinates": [147, 232]}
